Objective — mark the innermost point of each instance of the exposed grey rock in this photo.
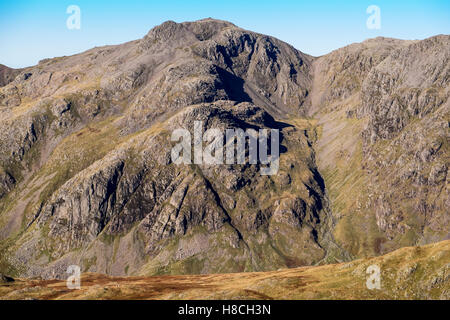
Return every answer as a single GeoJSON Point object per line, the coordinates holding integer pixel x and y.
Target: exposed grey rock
{"type": "Point", "coordinates": [410, 83]}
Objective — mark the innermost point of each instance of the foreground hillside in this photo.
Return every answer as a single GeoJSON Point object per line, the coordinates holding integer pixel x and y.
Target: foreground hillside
{"type": "Point", "coordinates": [407, 273]}
{"type": "Point", "coordinates": [86, 175]}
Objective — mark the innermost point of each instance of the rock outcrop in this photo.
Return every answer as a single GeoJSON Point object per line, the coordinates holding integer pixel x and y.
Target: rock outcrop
{"type": "Point", "coordinates": [7, 75]}
{"type": "Point", "coordinates": [383, 106]}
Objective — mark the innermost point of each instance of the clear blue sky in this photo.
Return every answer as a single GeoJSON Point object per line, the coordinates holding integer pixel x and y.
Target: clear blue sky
{"type": "Point", "coordinates": [33, 30]}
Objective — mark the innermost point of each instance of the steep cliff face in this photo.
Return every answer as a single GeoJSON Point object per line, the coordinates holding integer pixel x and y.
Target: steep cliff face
{"type": "Point", "coordinates": [86, 175]}
{"type": "Point", "coordinates": [135, 211]}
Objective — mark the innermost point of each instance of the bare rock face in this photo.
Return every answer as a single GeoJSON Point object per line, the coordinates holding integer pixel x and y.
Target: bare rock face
{"type": "Point", "coordinates": [407, 100]}
{"type": "Point", "coordinates": [86, 175]}
{"type": "Point", "coordinates": [211, 60]}
{"type": "Point", "coordinates": [411, 83]}
{"type": "Point", "coordinates": [390, 119]}
{"type": "Point", "coordinates": [339, 75]}
{"type": "Point", "coordinates": [172, 214]}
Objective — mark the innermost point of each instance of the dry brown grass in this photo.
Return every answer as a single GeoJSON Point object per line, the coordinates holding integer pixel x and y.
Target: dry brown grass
{"type": "Point", "coordinates": [429, 279]}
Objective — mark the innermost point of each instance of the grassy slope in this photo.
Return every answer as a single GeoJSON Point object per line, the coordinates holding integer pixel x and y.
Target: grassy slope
{"type": "Point", "coordinates": [407, 273]}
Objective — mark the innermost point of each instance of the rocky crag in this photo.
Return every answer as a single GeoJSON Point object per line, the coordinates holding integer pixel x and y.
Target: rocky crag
{"type": "Point", "coordinates": [86, 175]}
